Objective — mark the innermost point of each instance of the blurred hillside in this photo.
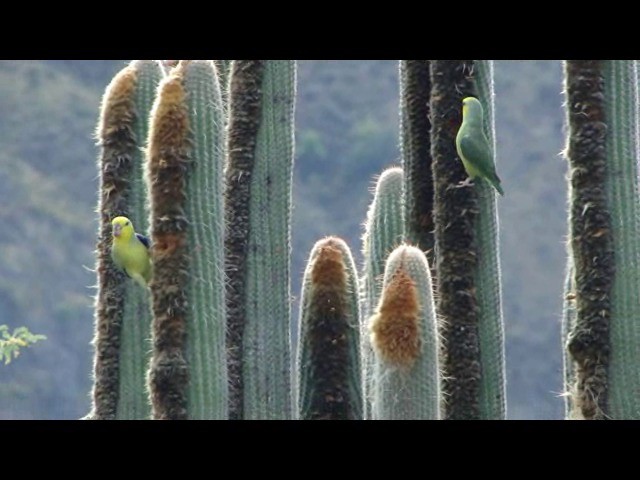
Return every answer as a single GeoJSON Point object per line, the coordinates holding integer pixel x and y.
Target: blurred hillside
{"type": "Point", "coordinates": [347, 131]}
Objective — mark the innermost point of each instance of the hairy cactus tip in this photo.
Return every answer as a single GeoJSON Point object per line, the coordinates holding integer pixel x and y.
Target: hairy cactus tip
{"type": "Point", "coordinates": [395, 333]}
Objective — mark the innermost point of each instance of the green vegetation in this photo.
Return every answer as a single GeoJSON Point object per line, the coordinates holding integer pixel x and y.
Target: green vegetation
{"type": "Point", "coordinates": [11, 343]}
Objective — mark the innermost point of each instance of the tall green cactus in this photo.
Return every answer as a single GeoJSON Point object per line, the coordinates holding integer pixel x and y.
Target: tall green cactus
{"type": "Point", "coordinates": [415, 143]}
{"type": "Point", "coordinates": [602, 100]}
{"type": "Point", "coordinates": [328, 375]}
{"type": "Point", "coordinates": [123, 319]}
{"type": "Point", "coordinates": [468, 273]}
{"type": "Point", "coordinates": [487, 276]}
{"type": "Point", "coordinates": [404, 334]}
{"type": "Point", "coordinates": [188, 374]}
{"type": "Point", "coordinates": [622, 103]}
{"type": "Point", "coordinates": [384, 231]}
{"type": "Point", "coordinates": [258, 220]}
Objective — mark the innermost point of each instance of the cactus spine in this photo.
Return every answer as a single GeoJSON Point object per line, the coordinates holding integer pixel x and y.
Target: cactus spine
{"type": "Point", "coordinates": [188, 375]}
{"type": "Point", "coordinates": [605, 231]}
{"type": "Point", "coordinates": [384, 232]}
{"type": "Point", "coordinates": [328, 375]}
{"type": "Point", "coordinates": [258, 214]}
{"type": "Point", "coordinates": [568, 324]}
{"type": "Point", "coordinates": [122, 316]}
{"type": "Point", "coordinates": [404, 334]}
{"type": "Point", "coordinates": [466, 239]}
{"type": "Point", "coordinates": [224, 72]}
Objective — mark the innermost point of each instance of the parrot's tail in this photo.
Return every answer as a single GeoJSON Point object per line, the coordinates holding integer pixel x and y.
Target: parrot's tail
{"type": "Point", "coordinates": [495, 181]}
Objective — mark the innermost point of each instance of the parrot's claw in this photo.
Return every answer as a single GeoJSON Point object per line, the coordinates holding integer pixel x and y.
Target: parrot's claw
{"type": "Point", "coordinates": [465, 183]}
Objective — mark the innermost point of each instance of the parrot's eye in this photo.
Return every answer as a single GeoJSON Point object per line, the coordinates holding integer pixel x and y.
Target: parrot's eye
{"type": "Point", "coordinates": [126, 224]}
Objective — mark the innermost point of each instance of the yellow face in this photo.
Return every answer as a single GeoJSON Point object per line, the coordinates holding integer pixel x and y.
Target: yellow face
{"type": "Point", "coordinates": [122, 228]}
{"type": "Point", "coordinates": [465, 105]}
{"type": "Point", "coordinates": [468, 103]}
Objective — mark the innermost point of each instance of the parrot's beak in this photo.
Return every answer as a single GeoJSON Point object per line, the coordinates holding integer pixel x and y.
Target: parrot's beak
{"type": "Point", "coordinates": [117, 230]}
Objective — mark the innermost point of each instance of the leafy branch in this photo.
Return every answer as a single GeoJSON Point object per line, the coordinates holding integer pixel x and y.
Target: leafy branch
{"type": "Point", "coordinates": [10, 344]}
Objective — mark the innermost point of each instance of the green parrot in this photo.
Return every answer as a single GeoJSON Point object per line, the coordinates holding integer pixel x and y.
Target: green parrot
{"type": "Point", "coordinates": [473, 146]}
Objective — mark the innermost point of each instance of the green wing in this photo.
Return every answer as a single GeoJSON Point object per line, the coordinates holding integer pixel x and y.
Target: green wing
{"type": "Point", "coordinates": [475, 150]}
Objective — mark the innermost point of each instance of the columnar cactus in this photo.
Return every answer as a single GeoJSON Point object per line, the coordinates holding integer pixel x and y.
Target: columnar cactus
{"type": "Point", "coordinates": [415, 143]}
{"type": "Point", "coordinates": [404, 335]}
{"type": "Point", "coordinates": [328, 375]}
{"type": "Point", "coordinates": [487, 275]}
{"type": "Point", "coordinates": [258, 220]}
{"type": "Point", "coordinates": [188, 374]}
{"type": "Point", "coordinates": [466, 248]}
{"type": "Point", "coordinates": [384, 231]}
{"type": "Point", "coordinates": [122, 313]}
{"type": "Point", "coordinates": [602, 102]}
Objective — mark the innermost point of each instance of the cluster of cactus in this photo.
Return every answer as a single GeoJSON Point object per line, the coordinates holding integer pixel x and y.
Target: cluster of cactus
{"type": "Point", "coordinates": [200, 155]}
{"type": "Point", "coordinates": [210, 168]}
{"type": "Point", "coordinates": [186, 347]}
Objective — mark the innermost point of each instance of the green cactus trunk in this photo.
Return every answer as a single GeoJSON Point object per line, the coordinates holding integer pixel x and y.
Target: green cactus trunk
{"type": "Point", "coordinates": [467, 264]}
{"type": "Point", "coordinates": [328, 374]}
{"type": "Point", "coordinates": [590, 237]}
{"type": "Point", "coordinates": [136, 325]}
{"type": "Point", "coordinates": [415, 143]}
{"type": "Point", "coordinates": [188, 374]}
{"type": "Point", "coordinates": [605, 237]}
{"type": "Point", "coordinates": [122, 312]}
{"type": "Point", "coordinates": [384, 232]}
{"type": "Point", "coordinates": [487, 276]}
{"type": "Point", "coordinates": [404, 334]}
{"type": "Point", "coordinates": [455, 211]}
{"type": "Point", "coordinates": [258, 219]}
{"type": "Point", "coordinates": [622, 102]}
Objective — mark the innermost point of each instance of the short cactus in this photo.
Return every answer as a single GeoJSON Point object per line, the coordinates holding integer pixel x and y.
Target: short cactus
{"type": "Point", "coordinates": [328, 375]}
{"type": "Point", "coordinates": [404, 335]}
